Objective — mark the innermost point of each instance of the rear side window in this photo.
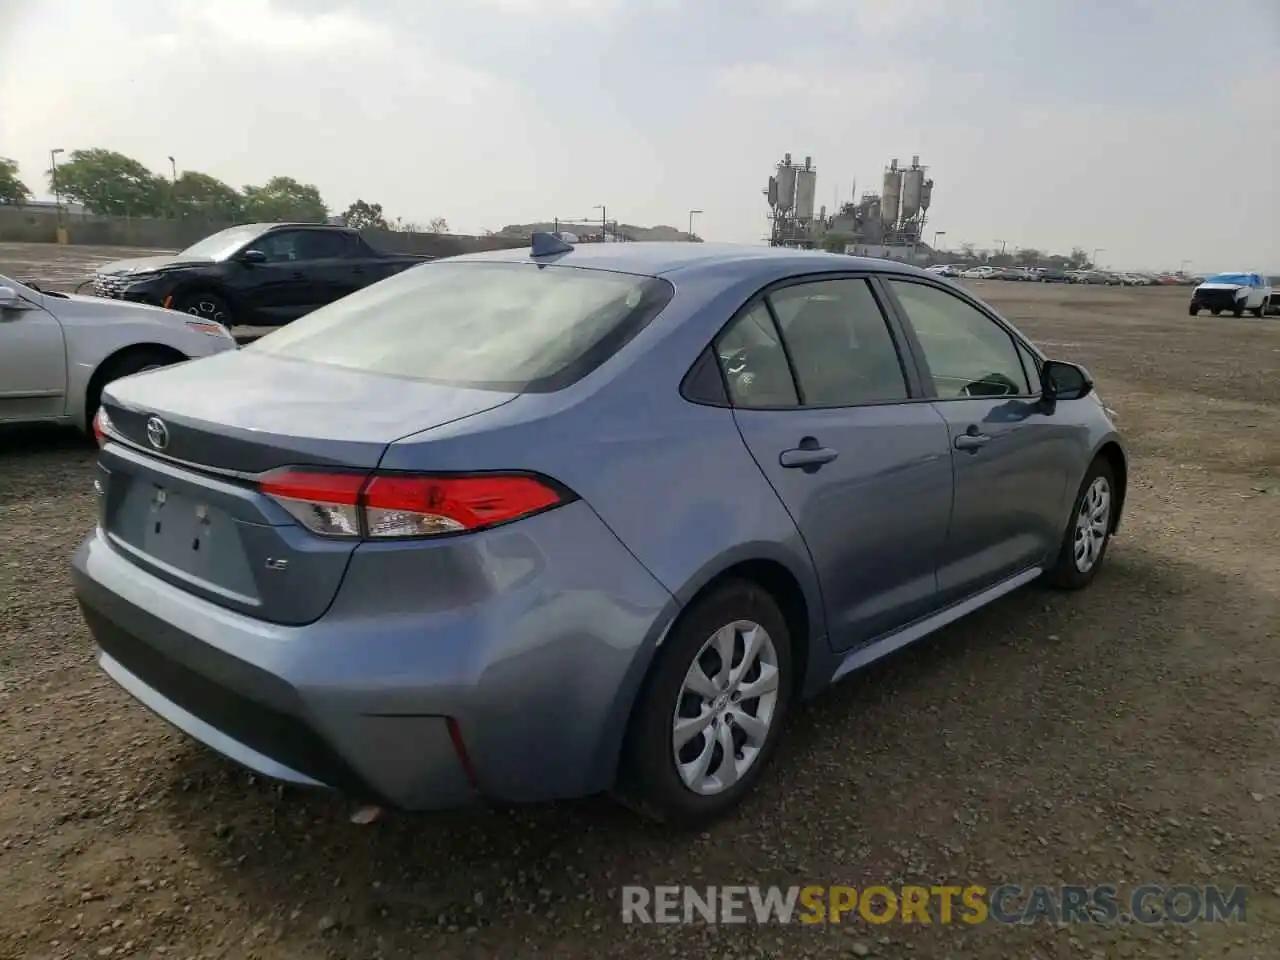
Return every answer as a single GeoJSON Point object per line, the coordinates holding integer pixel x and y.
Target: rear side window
{"type": "Point", "coordinates": [840, 345]}
{"type": "Point", "coordinates": [503, 326]}
{"type": "Point", "coordinates": [754, 362]}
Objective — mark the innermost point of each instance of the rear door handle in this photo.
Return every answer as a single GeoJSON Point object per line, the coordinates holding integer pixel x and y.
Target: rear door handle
{"type": "Point", "coordinates": [971, 441]}
{"type": "Point", "coordinates": [802, 457]}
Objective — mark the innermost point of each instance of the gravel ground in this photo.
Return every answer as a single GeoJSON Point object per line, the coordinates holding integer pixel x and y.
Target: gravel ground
{"type": "Point", "coordinates": [1126, 734]}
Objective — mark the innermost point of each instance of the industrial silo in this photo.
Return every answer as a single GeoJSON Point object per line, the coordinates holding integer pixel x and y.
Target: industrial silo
{"type": "Point", "coordinates": [806, 187]}
{"type": "Point", "coordinates": [912, 192]}
{"type": "Point", "coordinates": [926, 196]}
{"type": "Point", "coordinates": [786, 179]}
{"type": "Point", "coordinates": [891, 195]}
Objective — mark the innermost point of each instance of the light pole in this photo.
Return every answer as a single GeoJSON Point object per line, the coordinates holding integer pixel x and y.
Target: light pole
{"type": "Point", "coordinates": [1182, 267]}
{"type": "Point", "coordinates": [604, 220]}
{"type": "Point", "coordinates": [173, 189]}
{"type": "Point", "coordinates": [1094, 258]}
{"type": "Point", "coordinates": [936, 235]}
{"type": "Point", "coordinates": [691, 215]}
{"type": "Point", "coordinates": [1002, 246]}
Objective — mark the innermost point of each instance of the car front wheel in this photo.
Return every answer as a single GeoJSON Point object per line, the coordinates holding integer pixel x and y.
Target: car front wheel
{"type": "Point", "coordinates": [1088, 532]}
{"type": "Point", "coordinates": [710, 713]}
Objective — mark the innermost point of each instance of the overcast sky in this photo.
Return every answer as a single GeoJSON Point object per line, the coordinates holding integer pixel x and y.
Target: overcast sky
{"type": "Point", "coordinates": [1150, 128]}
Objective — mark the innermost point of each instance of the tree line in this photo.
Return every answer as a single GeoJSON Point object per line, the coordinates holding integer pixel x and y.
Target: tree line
{"type": "Point", "coordinates": [112, 184]}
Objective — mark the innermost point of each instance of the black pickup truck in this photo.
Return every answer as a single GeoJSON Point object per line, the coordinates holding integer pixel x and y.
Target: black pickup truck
{"type": "Point", "coordinates": [255, 274]}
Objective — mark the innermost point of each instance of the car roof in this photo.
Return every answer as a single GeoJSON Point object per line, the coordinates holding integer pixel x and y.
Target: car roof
{"type": "Point", "coordinates": [675, 259]}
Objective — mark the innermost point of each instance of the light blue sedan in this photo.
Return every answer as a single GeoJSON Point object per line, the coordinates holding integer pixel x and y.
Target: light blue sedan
{"type": "Point", "coordinates": [534, 524]}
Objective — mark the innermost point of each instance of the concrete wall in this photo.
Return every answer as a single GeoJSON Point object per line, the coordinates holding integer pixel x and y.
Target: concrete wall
{"type": "Point", "coordinates": [26, 225]}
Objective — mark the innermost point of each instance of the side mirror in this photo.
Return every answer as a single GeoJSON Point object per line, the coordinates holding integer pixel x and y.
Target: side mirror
{"type": "Point", "coordinates": [252, 256]}
{"type": "Point", "coordinates": [9, 300]}
{"type": "Point", "coordinates": [1060, 380]}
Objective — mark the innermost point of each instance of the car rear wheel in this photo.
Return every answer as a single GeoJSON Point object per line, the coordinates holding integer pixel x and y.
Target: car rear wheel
{"type": "Point", "coordinates": [1215, 311]}
{"type": "Point", "coordinates": [1261, 311]}
{"type": "Point", "coordinates": [710, 713]}
{"type": "Point", "coordinates": [1194, 310]}
{"type": "Point", "coordinates": [206, 306]}
{"type": "Point", "coordinates": [1084, 545]}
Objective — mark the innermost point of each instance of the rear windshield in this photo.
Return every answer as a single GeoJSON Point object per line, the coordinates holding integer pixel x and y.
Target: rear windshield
{"type": "Point", "coordinates": [504, 326]}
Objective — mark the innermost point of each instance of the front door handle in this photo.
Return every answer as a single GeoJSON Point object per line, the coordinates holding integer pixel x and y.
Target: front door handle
{"type": "Point", "coordinates": [971, 441]}
{"type": "Point", "coordinates": [807, 457]}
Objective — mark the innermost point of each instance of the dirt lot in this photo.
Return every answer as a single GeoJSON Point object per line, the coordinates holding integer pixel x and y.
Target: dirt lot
{"type": "Point", "coordinates": [1129, 734]}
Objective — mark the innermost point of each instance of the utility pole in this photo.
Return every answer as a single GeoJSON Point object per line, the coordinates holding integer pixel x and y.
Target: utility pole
{"type": "Point", "coordinates": [1094, 258]}
{"type": "Point", "coordinates": [936, 235]}
{"type": "Point", "coordinates": [604, 221]}
{"type": "Point", "coordinates": [691, 215]}
{"type": "Point", "coordinates": [1002, 246]}
{"type": "Point", "coordinates": [59, 229]}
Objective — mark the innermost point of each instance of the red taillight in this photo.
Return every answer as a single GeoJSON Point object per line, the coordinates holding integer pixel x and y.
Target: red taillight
{"type": "Point", "coordinates": [404, 505]}
{"type": "Point", "coordinates": [100, 423]}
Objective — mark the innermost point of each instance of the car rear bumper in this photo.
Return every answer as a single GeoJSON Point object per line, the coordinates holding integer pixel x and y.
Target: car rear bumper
{"type": "Point", "coordinates": [522, 695]}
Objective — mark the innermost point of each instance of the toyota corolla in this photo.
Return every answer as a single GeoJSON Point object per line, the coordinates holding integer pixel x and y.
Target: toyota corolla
{"type": "Point", "coordinates": [535, 524]}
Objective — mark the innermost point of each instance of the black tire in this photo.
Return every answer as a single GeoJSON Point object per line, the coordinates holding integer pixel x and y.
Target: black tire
{"type": "Point", "coordinates": [1194, 310]}
{"type": "Point", "coordinates": [1237, 311]}
{"type": "Point", "coordinates": [1261, 311]}
{"type": "Point", "coordinates": [1215, 311]}
{"type": "Point", "coordinates": [648, 780]}
{"type": "Point", "coordinates": [125, 364]}
{"type": "Point", "coordinates": [206, 306]}
{"type": "Point", "coordinates": [1065, 574]}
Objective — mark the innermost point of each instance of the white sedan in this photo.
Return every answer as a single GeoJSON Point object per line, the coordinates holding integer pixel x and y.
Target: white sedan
{"type": "Point", "coordinates": [57, 351]}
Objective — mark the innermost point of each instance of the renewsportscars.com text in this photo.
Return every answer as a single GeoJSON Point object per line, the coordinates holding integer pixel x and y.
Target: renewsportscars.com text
{"type": "Point", "coordinates": [972, 904]}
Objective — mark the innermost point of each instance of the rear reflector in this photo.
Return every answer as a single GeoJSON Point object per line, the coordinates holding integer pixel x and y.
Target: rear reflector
{"type": "Point", "coordinates": [406, 505]}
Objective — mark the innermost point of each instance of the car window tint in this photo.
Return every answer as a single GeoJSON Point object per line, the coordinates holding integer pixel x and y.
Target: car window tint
{"type": "Point", "coordinates": [280, 246]}
{"type": "Point", "coordinates": [839, 343]}
{"type": "Point", "coordinates": [321, 245]}
{"type": "Point", "coordinates": [500, 326]}
{"type": "Point", "coordinates": [968, 353]}
{"type": "Point", "coordinates": [754, 364]}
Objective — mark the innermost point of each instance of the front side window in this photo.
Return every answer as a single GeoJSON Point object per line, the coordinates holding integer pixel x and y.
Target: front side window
{"type": "Point", "coordinates": [839, 343]}
{"type": "Point", "coordinates": [968, 353]}
{"type": "Point", "coordinates": [500, 326]}
{"type": "Point", "coordinates": [282, 246]}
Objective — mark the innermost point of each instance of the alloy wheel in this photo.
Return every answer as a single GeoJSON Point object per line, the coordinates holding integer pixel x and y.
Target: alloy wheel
{"type": "Point", "coordinates": [725, 708]}
{"type": "Point", "coordinates": [207, 310]}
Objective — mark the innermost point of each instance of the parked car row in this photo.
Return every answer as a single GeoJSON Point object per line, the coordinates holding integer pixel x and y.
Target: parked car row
{"type": "Point", "coordinates": [1056, 275]}
{"type": "Point", "coordinates": [373, 552]}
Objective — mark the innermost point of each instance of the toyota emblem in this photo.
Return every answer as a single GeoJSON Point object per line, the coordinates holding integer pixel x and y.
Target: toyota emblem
{"type": "Point", "coordinates": [157, 433]}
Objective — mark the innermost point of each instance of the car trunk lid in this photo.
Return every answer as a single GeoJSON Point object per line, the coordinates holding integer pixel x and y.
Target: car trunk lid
{"type": "Point", "coordinates": [179, 491]}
